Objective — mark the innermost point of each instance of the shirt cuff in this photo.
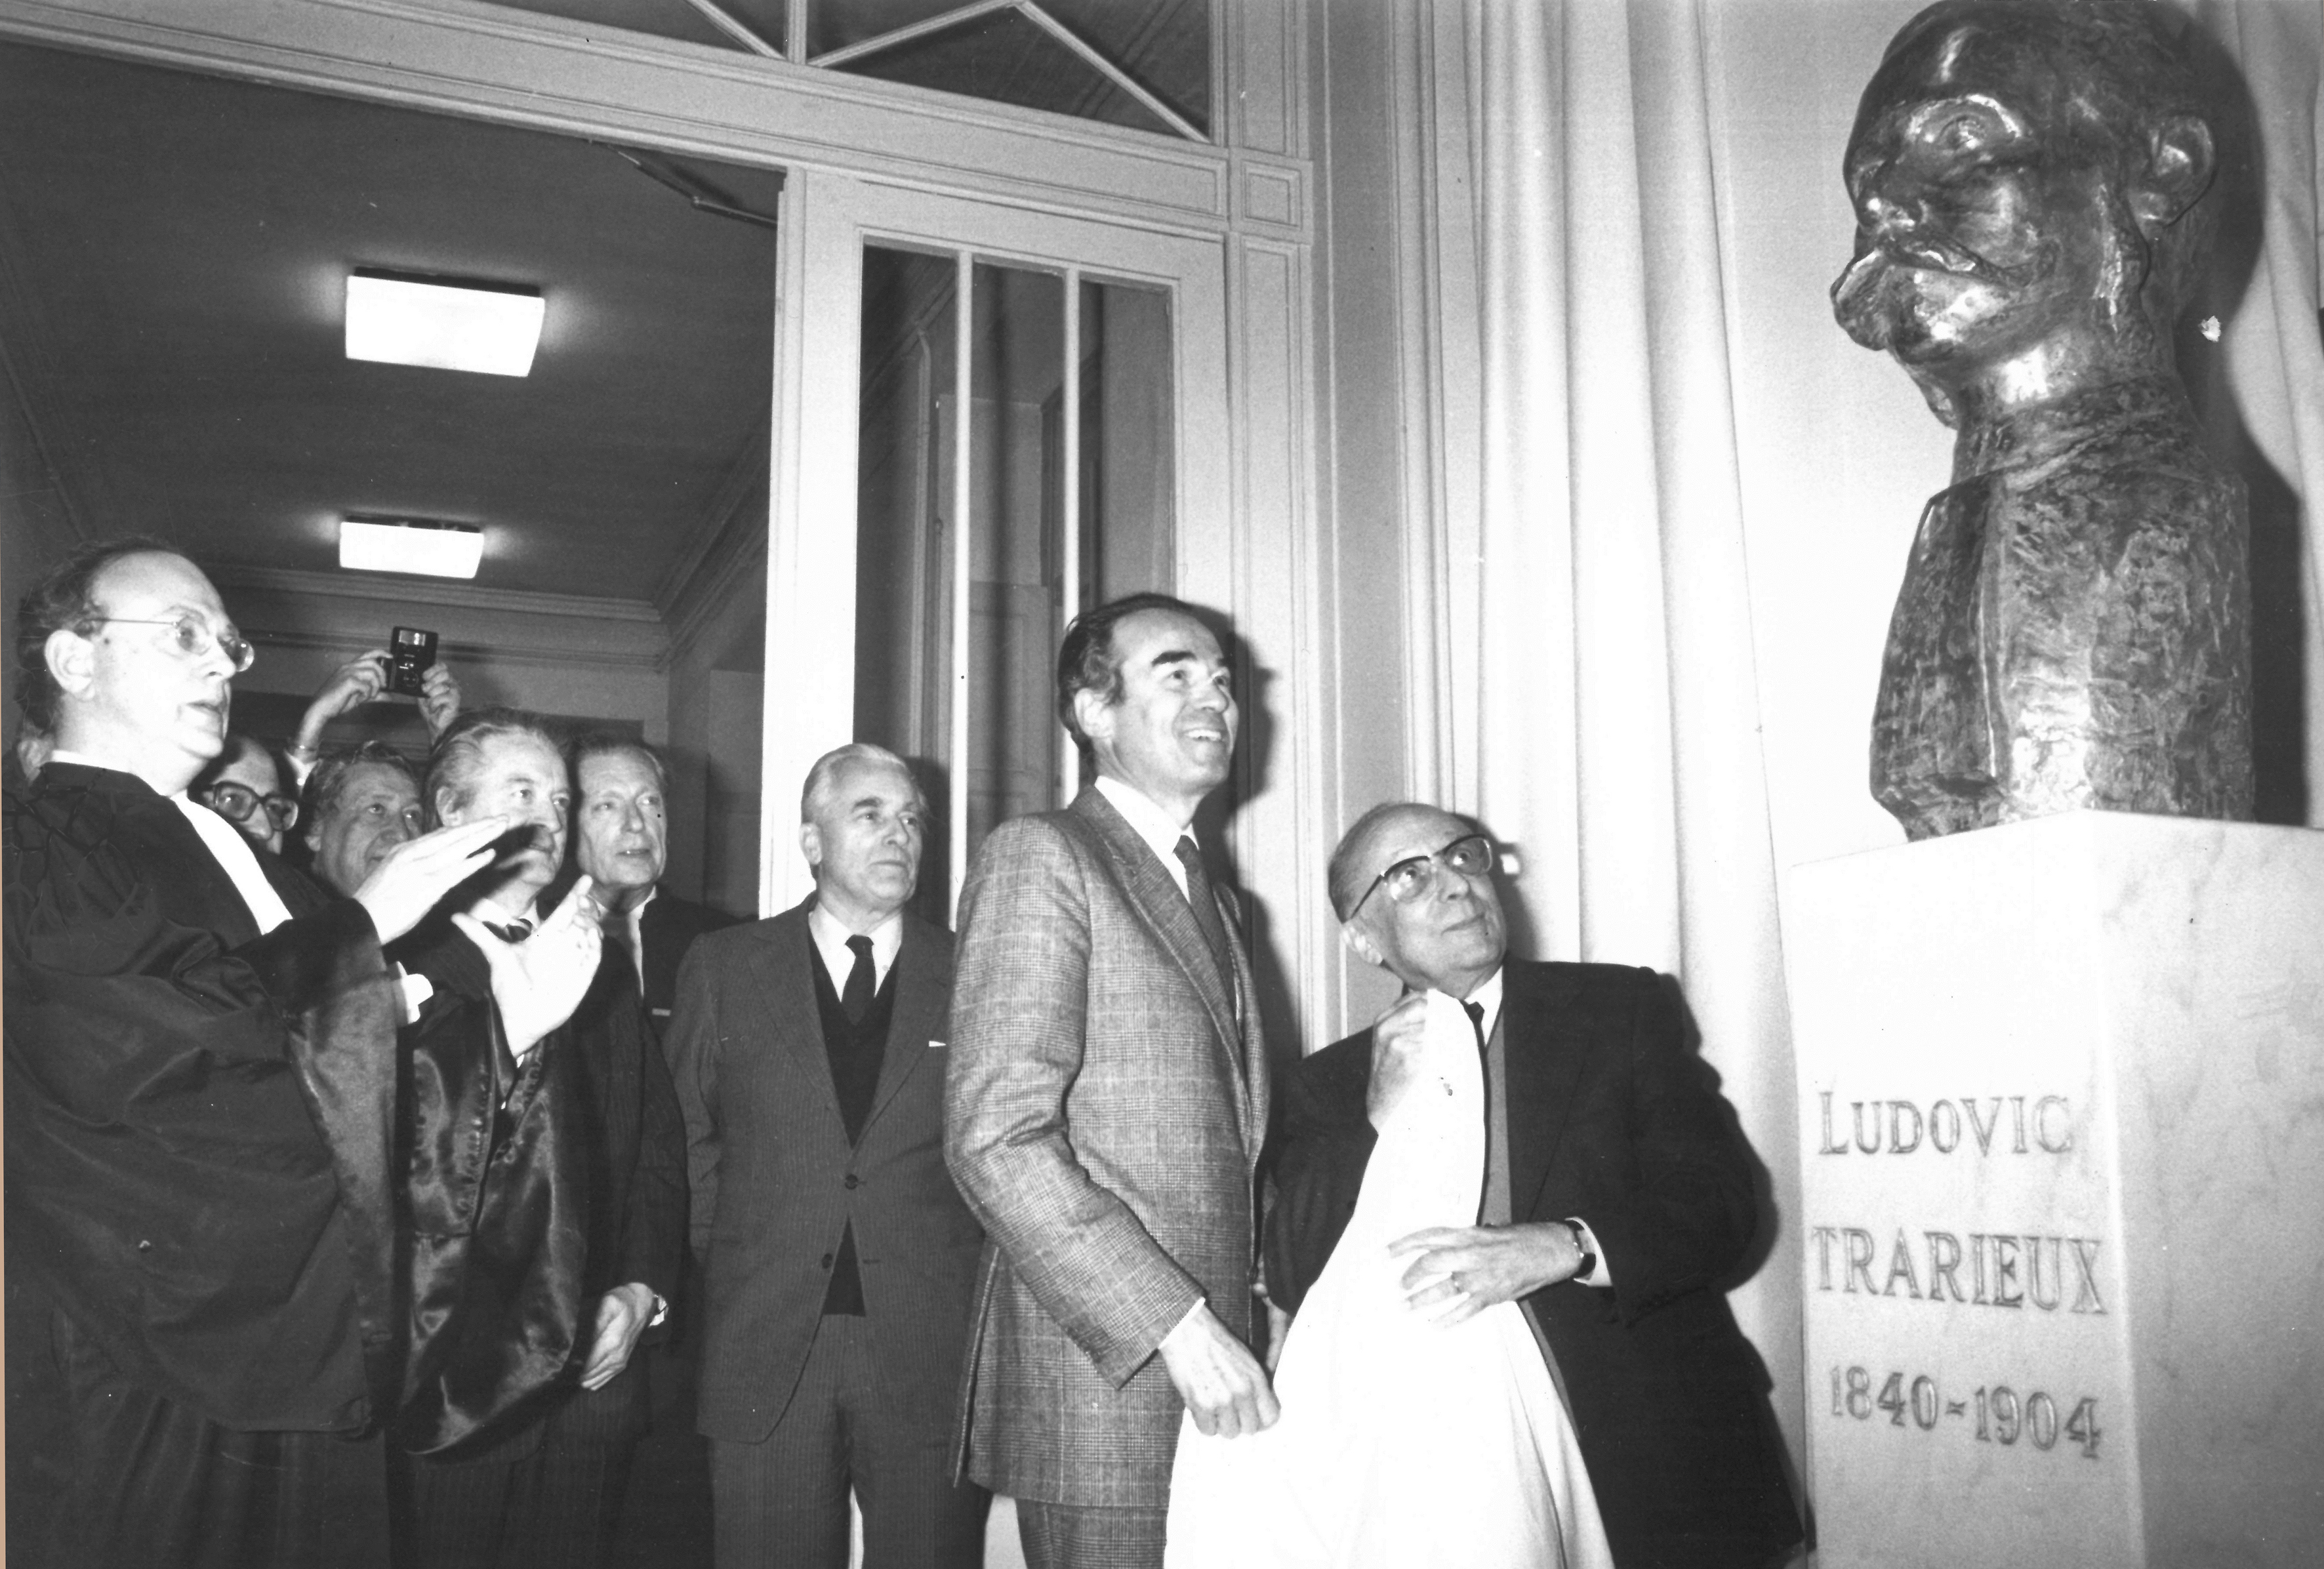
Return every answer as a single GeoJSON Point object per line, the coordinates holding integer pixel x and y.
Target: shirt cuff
{"type": "Point", "coordinates": [1200, 1302]}
{"type": "Point", "coordinates": [1598, 1275]}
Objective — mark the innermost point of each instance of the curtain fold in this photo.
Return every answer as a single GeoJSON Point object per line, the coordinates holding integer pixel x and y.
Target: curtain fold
{"type": "Point", "coordinates": [1621, 752]}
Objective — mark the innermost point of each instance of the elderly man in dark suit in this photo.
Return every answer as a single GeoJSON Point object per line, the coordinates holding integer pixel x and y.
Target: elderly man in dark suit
{"type": "Point", "coordinates": [1106, 1105]}
{"type": "Point", "coordinates": [621, 789]}
{"type": "Point", "coordinates": [1618, 1192]}
{"type": "Point", "coordinates": [810, 1051]}
{"type": "Point", "coordinates": [603, 1255]}
{"type": "Point", "coordinates": [620, 839]}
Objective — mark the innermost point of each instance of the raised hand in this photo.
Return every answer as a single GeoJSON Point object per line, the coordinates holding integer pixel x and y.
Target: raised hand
{"type": "Point", "coordinates": [419, 872]}
{"type": "Point", "coordinates": [1397, 1037]}
{"type": "Point", "coordinates": [351, 686]}
{"type": "Point", "coordinates": [1221, 1381]}
{"type": "Point", "coordinates": [538, 983]}
{"type": "Point", "coordinates": [439, 698]}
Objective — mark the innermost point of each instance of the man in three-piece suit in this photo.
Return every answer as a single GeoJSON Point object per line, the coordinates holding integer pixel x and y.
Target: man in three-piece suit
{"type": "Point", "coordinates": [1618, 1192]}
{"type": "Point", "coordinates": [839, 1259]}
{"type": "Point", "coordinates": [1105, 1108]}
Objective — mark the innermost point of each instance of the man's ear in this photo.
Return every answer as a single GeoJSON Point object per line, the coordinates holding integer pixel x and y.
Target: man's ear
{"type": "Point", "coordinates": [2180, 165]}
{"type": "Point", "coordinates": [811, 845]}
{"type": "Point", "coordinates": [72, 660]}
{"type": "Point", "coordinates": [1094, 714]}
{"type": "Point", "coordinates": [1359, 943]}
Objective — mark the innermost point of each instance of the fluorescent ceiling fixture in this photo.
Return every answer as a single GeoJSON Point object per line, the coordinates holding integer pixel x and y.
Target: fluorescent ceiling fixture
{"type": "Point", "coordinates": [432, 549]}
{"type": "Point", "coordinates": [493, 328]}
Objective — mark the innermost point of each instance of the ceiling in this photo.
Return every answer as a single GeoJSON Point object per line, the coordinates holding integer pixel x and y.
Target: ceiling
{"type": "Point", "coordinates": [174, 249]}
{"type": "Point", "coordinates": [172, 255]}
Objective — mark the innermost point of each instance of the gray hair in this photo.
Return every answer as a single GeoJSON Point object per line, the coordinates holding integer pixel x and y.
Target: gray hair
{"type": "Point", "coordinates": [459, 753]}
{"type": "Point", "coordinates": [822, 779]}
{"type": "Point", "coordinates": [609, 744]}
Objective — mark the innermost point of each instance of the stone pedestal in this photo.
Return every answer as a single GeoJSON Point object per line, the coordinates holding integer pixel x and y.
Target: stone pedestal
{"type": "Point", "coordinates": [2062, 1102]}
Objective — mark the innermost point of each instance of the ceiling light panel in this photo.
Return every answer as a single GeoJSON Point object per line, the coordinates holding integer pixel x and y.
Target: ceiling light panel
{"type": "Point", "coordinates": [491, 328]}
{"type": "Point", "coordinates": [415, 545]}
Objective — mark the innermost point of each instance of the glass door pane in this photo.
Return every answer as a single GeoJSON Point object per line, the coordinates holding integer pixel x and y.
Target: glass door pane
{"type": "Point", "coordinates": [972, 555]}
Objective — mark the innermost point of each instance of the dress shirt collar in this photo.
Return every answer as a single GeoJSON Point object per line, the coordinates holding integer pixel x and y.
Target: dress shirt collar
{"type": "Point", "coordinates": [230, 850]}
{"type": "Point", "coordinates": [1152, 824]}
{"type": "Point", "coordinates": [1487, 996]}
{"type": "Point", "coordinates": [830, 936]}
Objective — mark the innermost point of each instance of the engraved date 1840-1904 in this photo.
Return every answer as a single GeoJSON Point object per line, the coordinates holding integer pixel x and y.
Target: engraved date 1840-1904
{"type": "Point", "coordinates": [1995, 1414]}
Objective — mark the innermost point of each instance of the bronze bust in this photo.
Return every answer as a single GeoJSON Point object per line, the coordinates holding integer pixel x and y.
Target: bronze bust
{"type": "Point", "coordinates": [2029, 178]}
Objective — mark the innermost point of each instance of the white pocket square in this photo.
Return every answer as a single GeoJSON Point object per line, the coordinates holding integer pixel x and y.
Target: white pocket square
{"type": "Point", "coordinates": [935, 1045]}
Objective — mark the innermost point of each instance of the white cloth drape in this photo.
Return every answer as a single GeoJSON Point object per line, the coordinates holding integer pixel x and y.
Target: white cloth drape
{"type": "Point", "coordinates": [1403, 1444]}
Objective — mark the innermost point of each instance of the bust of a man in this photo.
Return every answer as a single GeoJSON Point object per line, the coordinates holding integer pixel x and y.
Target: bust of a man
{"type": "Point", "coordinates": [2029, 180]}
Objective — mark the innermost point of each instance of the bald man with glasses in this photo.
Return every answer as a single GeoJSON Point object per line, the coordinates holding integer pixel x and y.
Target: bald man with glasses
{"type": "Point", "coordinates": [204, 1332]}
{"type": "Point", "coordinates": [1616, 1199]}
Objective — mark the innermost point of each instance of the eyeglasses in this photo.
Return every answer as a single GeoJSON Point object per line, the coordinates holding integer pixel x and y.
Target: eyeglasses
{"type": "Point", "coordinates": [235, 802]}
{"type": "Point", "coordinates": [1470, 856]}
{"type": "Point", "coordinates": [192, 637]}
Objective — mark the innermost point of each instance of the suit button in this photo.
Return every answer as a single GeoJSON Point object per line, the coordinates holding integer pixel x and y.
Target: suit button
{"type": "Point", "coordinates": [852, 1180]}
{"type": "Point", "coordinates": [144, 1245]}
{"type": "Point", "coordinates": [826, 1260]}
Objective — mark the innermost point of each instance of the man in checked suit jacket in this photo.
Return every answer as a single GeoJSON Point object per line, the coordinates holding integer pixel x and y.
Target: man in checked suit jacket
{"type": "Point", "coordinates": [1617, 1193]}
{"type": "Point", "coordinates": [1105, 1107]}
{"type": "Point", "coordinates": [810, 1069]}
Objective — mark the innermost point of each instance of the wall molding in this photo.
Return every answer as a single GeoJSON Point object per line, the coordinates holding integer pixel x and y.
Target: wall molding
{"type": "Point", "coordinates": [553, 654]}
{"type": "Point", "coordinates": [548, 73]}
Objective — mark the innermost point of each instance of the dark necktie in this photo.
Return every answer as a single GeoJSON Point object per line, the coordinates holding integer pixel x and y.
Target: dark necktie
{"type": "Point", "coordinates": [1206, 908]}
{"type": "Point", "coordinates": [863, 982]}
{"type": "Point", "coordinates": [1476, 1012]}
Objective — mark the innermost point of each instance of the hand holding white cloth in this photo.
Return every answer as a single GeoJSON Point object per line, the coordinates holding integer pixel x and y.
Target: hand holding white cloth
{"type": "Point", "coordinates": [1403, 1442]}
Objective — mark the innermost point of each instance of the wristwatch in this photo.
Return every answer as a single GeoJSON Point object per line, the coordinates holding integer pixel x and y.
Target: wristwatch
{"type": "Point", "coordinates": [1589, 1264]}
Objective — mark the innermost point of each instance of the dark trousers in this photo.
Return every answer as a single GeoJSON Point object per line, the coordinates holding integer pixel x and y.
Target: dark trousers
{"type": "Point", "coordinates": [103, 1474]}
{"type": "Point", "coordinates": [543, 1498]}
{"type": "Point", "coordinates": [665, 1521]}
{"type": "Point", "coordinates": [1070, 1537]}
{"type": "Point", "coordinates": [784, 1502]}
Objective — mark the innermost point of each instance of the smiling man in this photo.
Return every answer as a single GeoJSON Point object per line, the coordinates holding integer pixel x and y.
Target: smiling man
{"type": "Point", "coordinates": [1106, 1105]}
{"type": "Point", "coordinates": [839, 1257]}
{"type": "Point", "coordinates": [201, 1085]}
{"type": "Point", "coordinates": [1617, 1194]}
{"type": "Point", "coordinates": [359, 807]}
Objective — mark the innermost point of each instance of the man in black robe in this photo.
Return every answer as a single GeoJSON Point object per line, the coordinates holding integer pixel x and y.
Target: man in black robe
{"type": "Point", "coordinates": [200, 1082]}
{"type": "Point", "coordinates": [579, 1269]}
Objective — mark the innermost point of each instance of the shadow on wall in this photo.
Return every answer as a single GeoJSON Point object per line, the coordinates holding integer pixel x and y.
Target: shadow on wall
{"type": "Point", "coordinates": [1279, 1015]}
{"type": "Point", "coordinates": [2278, 628]}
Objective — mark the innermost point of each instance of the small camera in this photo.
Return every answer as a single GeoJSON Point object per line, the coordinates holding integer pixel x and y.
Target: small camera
{"type": "Point", "coordinates": [410, 652]}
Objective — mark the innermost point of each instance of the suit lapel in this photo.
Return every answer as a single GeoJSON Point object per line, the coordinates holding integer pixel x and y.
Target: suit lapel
{"type": "Point", "coordinates": [1165, 910]}
{"type": "Point", "coordinates": [778, 963]}
{"type": "Point", "coordinates": [1544, 1069]}
{"type": "Point", "coordinates": [920, 1003]}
